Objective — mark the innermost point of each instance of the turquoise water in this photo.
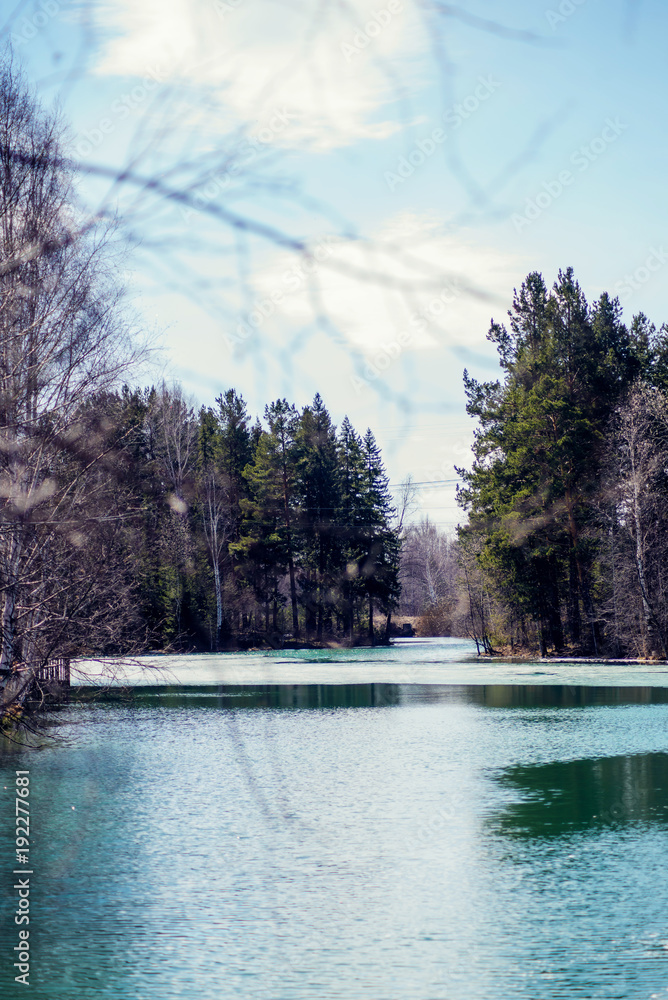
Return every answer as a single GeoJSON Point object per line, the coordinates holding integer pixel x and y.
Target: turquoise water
{"type": "Point", "coordinates": [380, 840]}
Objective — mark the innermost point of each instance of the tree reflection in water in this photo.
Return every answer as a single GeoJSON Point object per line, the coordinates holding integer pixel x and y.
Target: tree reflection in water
{"type": "Point", "coordinates": [566, 797]}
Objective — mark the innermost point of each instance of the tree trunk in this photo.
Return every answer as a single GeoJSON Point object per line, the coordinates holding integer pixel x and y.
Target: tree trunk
{"type": "Point", "coordinates": [648, 612]}
{"type": "Point", "coordinates": [8, 640]}
{"type": "Point", "coordinates": [219, 601]}
{"type": "Point", "coordinates": [583, 583]}
{"type": "Point", "coordinates": [321, 574]}
{"type": "Point", "coordinates": [614, 592]}
{"type": "Point", "coordinates": [548, 603]}
{"type": "Point", "coordinates": [573, 600]}
{"type": "Point", "coordinates": [371, 635]}
{"type": "Point", "coordinates": [16, 689]}
{"type": "Point", "coordinates": [288, 537]}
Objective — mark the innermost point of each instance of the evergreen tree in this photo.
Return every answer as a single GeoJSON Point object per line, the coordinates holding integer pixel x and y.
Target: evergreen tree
{"type": "Point", "coordinates": [283, 421]}
{"type": "Point", "coordinates": [267, 541]}
{"type": "Point", "coordinates": [318, 497]}
{"type": "Point", "coordinates": [369, 544]}
{"type": "Point", "coordinates": [261, 549]}
{"type": "Point", "coordinates": [538, 452]}
{"type": "Point", "coordinates": [351, 519]}
{"type": "Point", "coordinates": [236, 446]}
{"type": "Point", "coordinates": [380, 562]}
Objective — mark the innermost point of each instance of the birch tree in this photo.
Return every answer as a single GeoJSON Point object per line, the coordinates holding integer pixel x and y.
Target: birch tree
{"type": "Point", "coordinates": [641, 506]}
{"type": "Point", "coordinates": [61, 341]}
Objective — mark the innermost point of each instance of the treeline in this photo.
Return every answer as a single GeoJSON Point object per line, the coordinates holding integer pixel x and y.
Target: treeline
{"type": "Point", "coordinates": [244, 532]}
{"type": "Point", "coordinates": [566, 546]}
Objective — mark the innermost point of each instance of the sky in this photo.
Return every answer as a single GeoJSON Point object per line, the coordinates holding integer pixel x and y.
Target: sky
{"type": "Point", "coordinates": [346, 193]}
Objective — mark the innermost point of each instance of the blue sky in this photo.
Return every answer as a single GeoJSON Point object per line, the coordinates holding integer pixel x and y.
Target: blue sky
{"type": "Point", "coordinates": [429, 156]}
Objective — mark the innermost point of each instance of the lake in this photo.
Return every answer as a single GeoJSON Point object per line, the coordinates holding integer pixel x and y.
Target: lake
{"type": "Point", "coordinates": [390, 824]}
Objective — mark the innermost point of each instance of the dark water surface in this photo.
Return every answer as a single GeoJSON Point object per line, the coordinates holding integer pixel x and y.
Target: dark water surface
{"type": "Point", "coordinates": [368, 840]}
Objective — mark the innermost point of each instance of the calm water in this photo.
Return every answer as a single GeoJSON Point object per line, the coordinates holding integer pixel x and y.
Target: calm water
{"type": "Point", "coordinates": [380, 840]}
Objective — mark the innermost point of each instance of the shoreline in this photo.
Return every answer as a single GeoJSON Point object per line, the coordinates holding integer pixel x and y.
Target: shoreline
{"type": "Point", "coordinates": [604, 661]}
{"type": "Point", "coordinates": [613, 661]}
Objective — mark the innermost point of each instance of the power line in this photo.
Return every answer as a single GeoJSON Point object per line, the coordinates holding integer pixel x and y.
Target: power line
{"type": "Point", "coordinates": [428, 482]}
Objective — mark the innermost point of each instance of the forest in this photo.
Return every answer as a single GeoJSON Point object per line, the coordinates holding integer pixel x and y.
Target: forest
{"type": "Point", "coordinates": [567, 499]}
{"type": "Point", "coordinates": [244, 533]}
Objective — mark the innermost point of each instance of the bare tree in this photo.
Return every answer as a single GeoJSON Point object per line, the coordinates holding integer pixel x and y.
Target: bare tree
{"type": "Point", "coordinates": [214, 502]}
{"type": "Point", "coordinates": [428, 568]}
{"type": "Point", "coordinates": [639, 494]}
{"type": "Point", "coordinates": [61, 341]}
{"type": "Point", "coordinates": [474, 613]}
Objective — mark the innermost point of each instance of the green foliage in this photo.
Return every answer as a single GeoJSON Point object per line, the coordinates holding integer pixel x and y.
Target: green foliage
{"type": "Point", "coordinates": [319, 540]}
{"type": "Point", "coordinates": [246, 530]}
{"type": "Point", "coordinates": [533, 493]}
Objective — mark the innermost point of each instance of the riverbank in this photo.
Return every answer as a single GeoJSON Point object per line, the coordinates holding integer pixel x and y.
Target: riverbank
{"type": "Point", "coordinates": [506, 654]}
{"type": "Point", "coordinates": [598, 659]}
{"type": "Point", "coordinates": [418, 661]}
{"type": "Point", "coordinates": [603, 660]}
{"type": "Point", "coordinates": [404, 628]}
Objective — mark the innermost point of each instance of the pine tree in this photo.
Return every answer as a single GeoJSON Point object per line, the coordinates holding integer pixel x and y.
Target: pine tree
{"type": "Point", "coordinates": [351, 520]}
{"type": "Point", "coordinates": [282, 419]}
{"type": "Point", "coordinates": [235, 451]}
{"type": "Point", "coordinates": [538, 452]}
{"type": "Point", "coordinates": [262, 549]}
{"type": "Point", "coordinates": [380, 563]}
{"type": "Point", "coordinates": [318, 497]}
{"type": "Point", "coordinates": [267, 541]}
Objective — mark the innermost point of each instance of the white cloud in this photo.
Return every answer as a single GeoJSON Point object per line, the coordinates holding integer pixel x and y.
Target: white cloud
{"type": "Point", "coordinates": [332, 67]}
{"type": "Point", "coordinates": [436, 289]}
